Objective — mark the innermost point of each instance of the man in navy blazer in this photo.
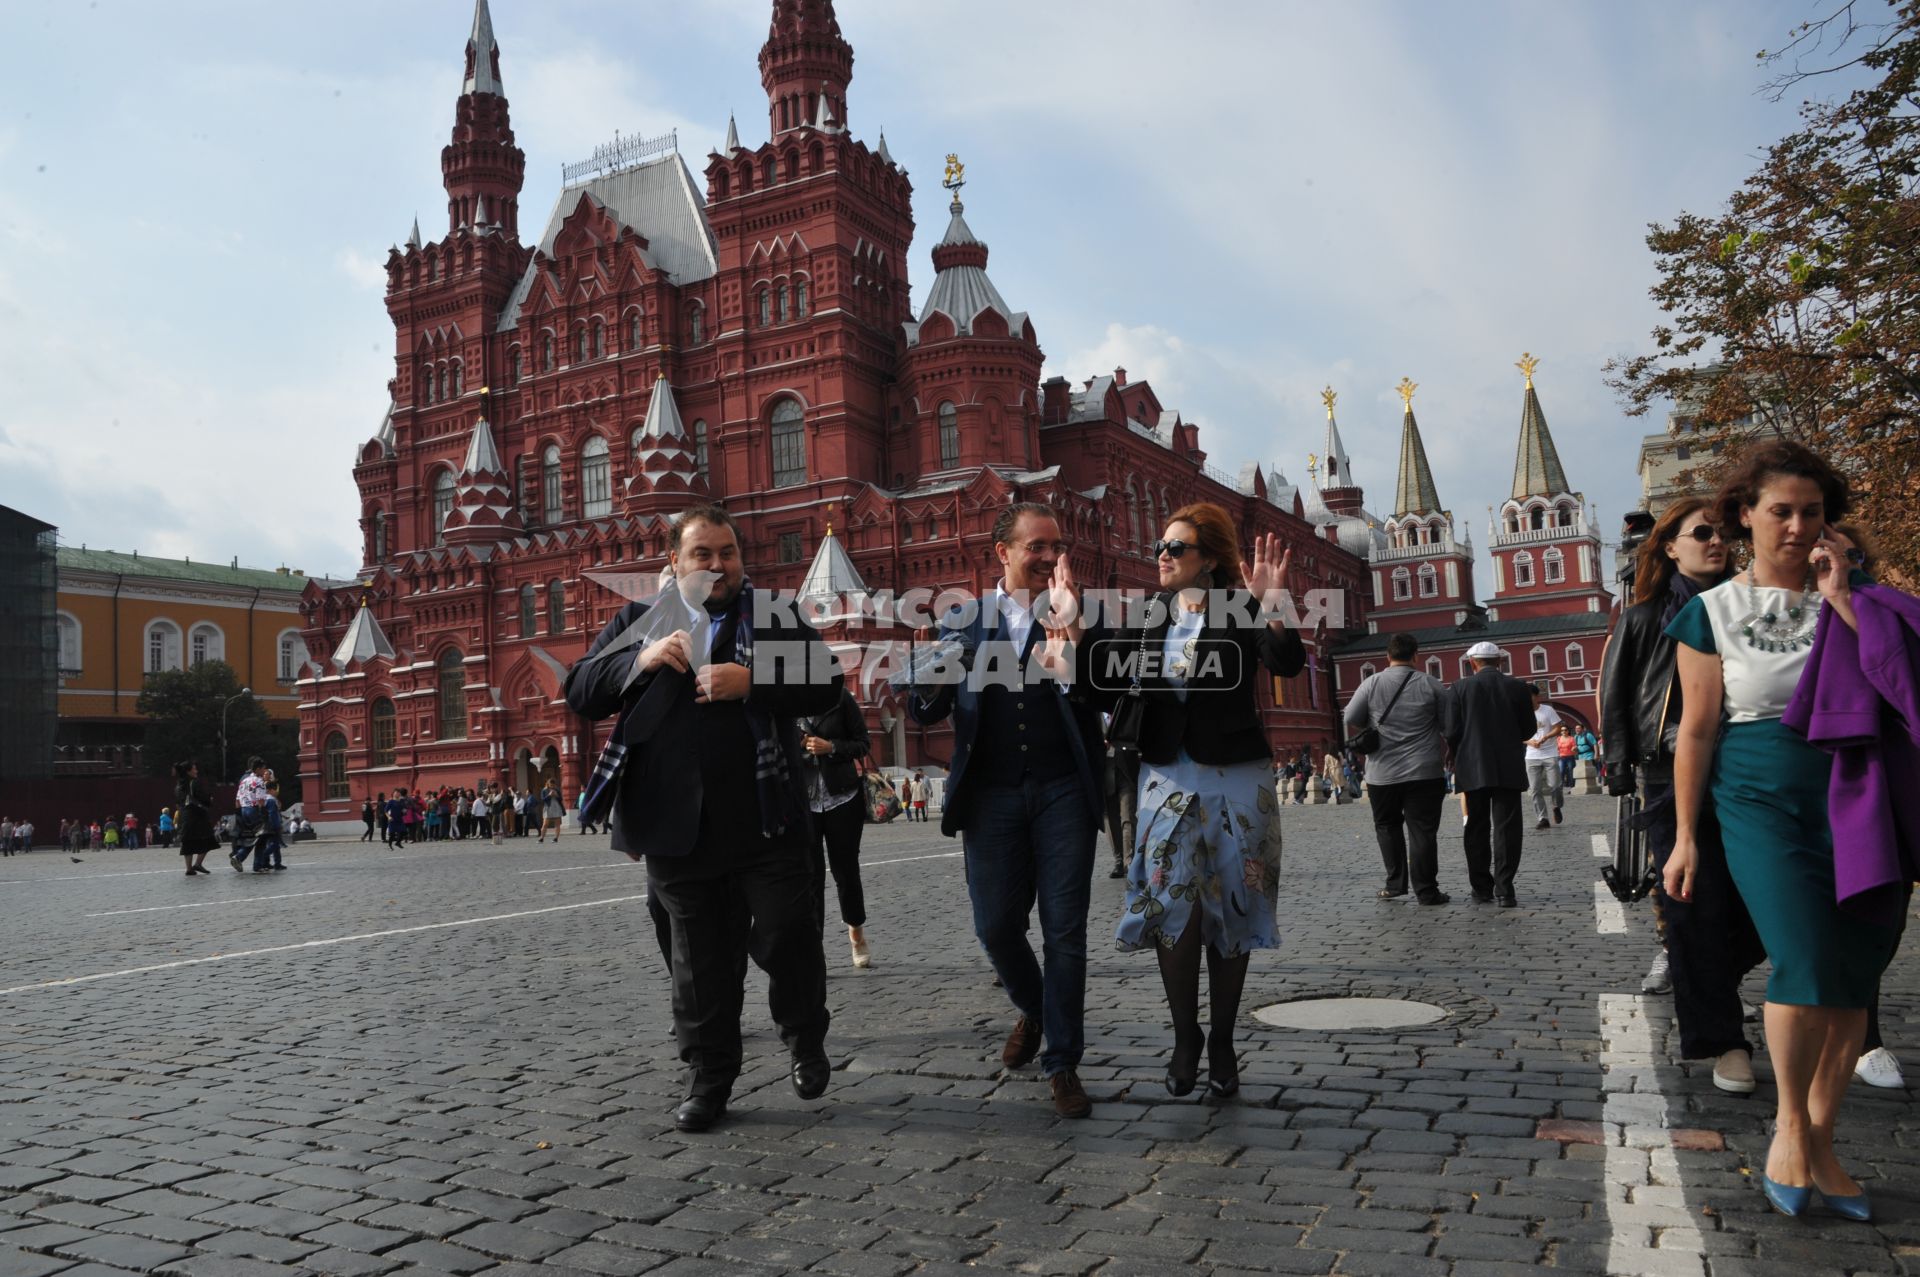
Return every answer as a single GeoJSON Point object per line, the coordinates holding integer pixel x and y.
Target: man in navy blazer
{"type": "Point", "coordinates": [1024, 792]}
{"type": "Point", "coordinates": [1492, 721]}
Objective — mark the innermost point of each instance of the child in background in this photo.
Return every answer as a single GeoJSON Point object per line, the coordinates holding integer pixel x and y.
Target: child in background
{"type": "Point", "coordinates": [266, 854]}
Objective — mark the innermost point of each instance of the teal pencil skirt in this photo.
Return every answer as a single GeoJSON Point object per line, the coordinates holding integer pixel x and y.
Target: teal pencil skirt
{"type": "Point", "coordinates": [1770, 793]}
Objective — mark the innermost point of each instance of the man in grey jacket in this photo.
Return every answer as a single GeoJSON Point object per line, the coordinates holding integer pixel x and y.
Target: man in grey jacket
{"type": "Point", "coordinates": [1406, 775]}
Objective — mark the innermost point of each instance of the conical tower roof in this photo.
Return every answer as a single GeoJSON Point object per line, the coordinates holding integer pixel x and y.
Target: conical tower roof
{"type": "Point", "coordinates": [1414, 493]}
{"type": "Point", "coordinates": [363, 640]}
{"type": "Point", "coordinates": [961, 290]}
{"type": "Point", "coordinates": [832, 574]}
{"type": "Point", "coordinates": [1536, 463]}
{"type": "Point", "coordinates": [483, 506]}
{"type": "Point", "coordinates": [1336, 468]}
{"type": "Point", "coordinates": [483, 55]}
{"type": "Point", "coordinates": [666, 459]}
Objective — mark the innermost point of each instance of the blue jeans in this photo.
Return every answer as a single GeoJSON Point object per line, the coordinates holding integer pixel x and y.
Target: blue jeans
{"type": "Point", "coordinates": [1026, 844]}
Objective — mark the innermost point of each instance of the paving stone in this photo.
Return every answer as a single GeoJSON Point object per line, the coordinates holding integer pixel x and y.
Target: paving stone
{"type": "Point", "coordinates": [138, 1253]}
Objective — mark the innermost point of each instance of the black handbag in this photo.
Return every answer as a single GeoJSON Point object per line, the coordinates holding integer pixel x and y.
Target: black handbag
{"type": "Point", "coordinates": [1367, 741]}
{"type": "Point", "coordinates": [1129, 714]}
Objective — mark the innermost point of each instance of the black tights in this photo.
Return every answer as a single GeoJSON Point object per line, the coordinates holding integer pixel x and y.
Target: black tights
{"type": "Point", "coordinates": [1226, 978]}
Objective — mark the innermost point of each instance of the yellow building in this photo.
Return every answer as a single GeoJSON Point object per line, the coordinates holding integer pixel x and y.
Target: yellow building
{"type": "Point", "coordinates": [123, 616]}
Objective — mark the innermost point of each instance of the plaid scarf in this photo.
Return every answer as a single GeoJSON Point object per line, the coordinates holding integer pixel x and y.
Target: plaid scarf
{"type": "Point", "coordinates": [777, 808]}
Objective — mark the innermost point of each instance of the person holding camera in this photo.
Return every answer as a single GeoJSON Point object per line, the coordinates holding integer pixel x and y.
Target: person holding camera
{"type": "Point", "coordinates": [1492, 723]}
{"type": "Point", "coordinates": [1399, 719]}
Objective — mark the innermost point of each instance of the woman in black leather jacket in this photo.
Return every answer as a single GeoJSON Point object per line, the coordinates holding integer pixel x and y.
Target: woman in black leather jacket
{"type": "Point", "coordinates": [1710, 942]}
{"type": "Point", "coordinates": [834, 743]}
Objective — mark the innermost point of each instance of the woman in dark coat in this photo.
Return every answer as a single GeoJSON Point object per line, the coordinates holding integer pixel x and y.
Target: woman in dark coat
{"type": "Point", "coordinates": [835, 742]}
{"type": "Point", "coordinates": [196, 817]}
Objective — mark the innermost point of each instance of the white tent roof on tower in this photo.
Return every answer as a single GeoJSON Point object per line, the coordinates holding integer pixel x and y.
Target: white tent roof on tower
{"type": "Point", "coordinates": [483, 505]}
{"type": "Point", "coordinates": [832, 575]}
{"type": "Point", "coordinates": [483, 53]}
{"type": "Point", "coordinates": [363, 641]}
{"type": "Point", "coordinates": [667, 463]}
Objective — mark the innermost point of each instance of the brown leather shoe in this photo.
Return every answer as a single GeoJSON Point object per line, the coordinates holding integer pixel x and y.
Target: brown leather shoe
{"type": "Point", "coordinates": [1069, 1097]}
{"type": "Point", "coordinates": [1022, 1044]}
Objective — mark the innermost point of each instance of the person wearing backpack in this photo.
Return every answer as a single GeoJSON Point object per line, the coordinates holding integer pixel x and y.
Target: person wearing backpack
{"type": "Point", "coordinates": [1399, 719]}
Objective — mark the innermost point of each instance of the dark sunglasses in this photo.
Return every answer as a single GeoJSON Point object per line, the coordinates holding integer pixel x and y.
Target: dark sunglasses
{"type": "Point", "coordinates": [1172, 549]}
{"type": "Point", "coordinates": [1704, 533]}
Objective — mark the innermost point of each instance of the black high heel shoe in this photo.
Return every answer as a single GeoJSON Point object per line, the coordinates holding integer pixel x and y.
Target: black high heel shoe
{"type": "Point", "coordinates": [1183, 1069]}
{"type": "Point", "coordinates": [1223, 1080]}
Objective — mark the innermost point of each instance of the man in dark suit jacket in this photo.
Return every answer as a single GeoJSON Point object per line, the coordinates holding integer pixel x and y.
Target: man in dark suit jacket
{"type": "Point", "coordinates": [1024, 792]}
{"type": "Point", "coordinates": [1492, 721]}
{"type": "Point", "coordinates": [711, 794]}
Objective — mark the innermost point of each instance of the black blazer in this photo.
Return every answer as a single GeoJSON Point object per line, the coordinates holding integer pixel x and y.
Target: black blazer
{"type": "Point", "coordinates": [846, 728]}
{"type": "Point", "coordinates": [1493, 720]}
{"type": "Point", "coordinates": [657, 807]}
{"type": "Point", "coordinates": [1219, 721]}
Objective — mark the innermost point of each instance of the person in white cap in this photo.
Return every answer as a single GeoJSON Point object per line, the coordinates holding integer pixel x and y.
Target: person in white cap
{"type": "Point", "coordinates": [1490, 725]}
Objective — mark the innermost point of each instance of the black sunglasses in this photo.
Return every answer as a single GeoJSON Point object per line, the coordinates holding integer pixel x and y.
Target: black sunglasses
{"type": "Point", "coordinates": [1173, 549]}
{"type": "Point", "coordinates": [1704, 532]}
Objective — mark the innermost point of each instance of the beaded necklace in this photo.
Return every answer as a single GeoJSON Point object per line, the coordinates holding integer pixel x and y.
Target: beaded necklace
{"type": "Point", "coordinates": [1766, 631]}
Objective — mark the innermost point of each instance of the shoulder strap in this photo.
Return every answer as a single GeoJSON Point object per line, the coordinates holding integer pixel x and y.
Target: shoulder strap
{"type": "Point", "coordinates": [1395, 699]}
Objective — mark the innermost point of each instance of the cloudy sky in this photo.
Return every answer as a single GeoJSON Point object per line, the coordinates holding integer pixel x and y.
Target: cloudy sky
{"type": "Point", "coordinates": [1243, 200]}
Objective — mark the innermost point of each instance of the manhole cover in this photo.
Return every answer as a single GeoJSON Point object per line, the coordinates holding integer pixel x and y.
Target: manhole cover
{"type": "Point", "coordinates": [1349, 1013]}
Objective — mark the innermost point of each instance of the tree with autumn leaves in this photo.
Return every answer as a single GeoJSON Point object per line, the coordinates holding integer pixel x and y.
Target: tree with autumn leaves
{"type": "Point", "coordinates": [1797, 308]}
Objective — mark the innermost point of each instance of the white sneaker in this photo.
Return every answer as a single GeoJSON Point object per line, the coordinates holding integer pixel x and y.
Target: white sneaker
{"type": "Point", "coordinates": [1733, 1073]}
{"type": "Point", "coordinates": [1879, 1067]}
{"type": "Point", "coordinates": [1750, 1013]}
{"type": "Point", "coordinates": [1659, 975]}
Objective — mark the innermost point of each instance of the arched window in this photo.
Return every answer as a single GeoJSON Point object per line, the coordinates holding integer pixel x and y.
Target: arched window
{"type": "Point", "coordinates": [1537, 518]}
{"type": "Point", "coordinates": [580, 344]}
{"type": "Point", "coordinates": [556, 607]}
{"type": "Point", "coordinates": [452, 679]}
{"type": "Point", "coordinates": [529, 612]}
{"type": "Point", "coordinates": [335, 756]}
{"type": "Point", "coordinates": [290, 655]}
{"type": "Point", "coordinates": [550, 484]}
{"type": "Point", "coordinates": [379, 536]}
{"type": "Point", "coordinates": [1523, 568]}
{"type": "Point", "coordinates": [1576, 657]}
{"type": "Point", "coordinates": [1429, 581]}
{"type": "Point", "coordinates": [1133, 516]}
{"type": "Point", "coordinates": [546, 352]}
{"type": "Point", "coordinates": [1537, 660]}
{"type": "Point", "coordinates": [722, 185]}
{"type": "Point", "coordinates": [442, 502]}
{"type": "Point", "coordinates": [949, 435]}
{"type": "Point", "coordinates": [696, 324]}
{"type": "Point", "coordinates": [459, 378]}
{"type": "Point", "coordinates": [700, 445]}
{"type": "Point", "coordinates": [599, 339]}
{"type": "Point", "coordinates": [441, 393]}
{"type": "Point", "coordinates": [426, 385]}
{"type": "Point", "coordinates": [596, 480]}
{"type": "Point", "coordinates": [800, 298]}
{"type": "Point", "coordinates": [780, 304]}
{"type": "Point", "coordinates": [162, 646]}
{"type": "Point", "coordinates": [1555, 565]}
{"type": "Point", "coordinates": [383, 732]}
{"type": "Point", "coordinates": [633, 329]}
{"type": "Point", "coordinates": [770, 171]}
{"type": "Point", "coordinates": [1435, 668]}
{"type": "Point", "coordinates": [766, 308]}
{"type": "Point", "coordinates": [1366, 672]}
{"type": "Point", "coordinates": [789, 444]}
{"type": "Point", "coordinates": [1402, 585]}
{"type": "Point", "coordinates": [206, 643]}
{"type": "Point", "coordinates": [69, 628]}
{"type": "Point", "coordinates": [513, 365]}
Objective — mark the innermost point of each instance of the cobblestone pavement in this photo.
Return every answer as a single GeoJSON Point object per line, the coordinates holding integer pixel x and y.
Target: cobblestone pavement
{"type": "Point", "coordinates": [457, 1059]}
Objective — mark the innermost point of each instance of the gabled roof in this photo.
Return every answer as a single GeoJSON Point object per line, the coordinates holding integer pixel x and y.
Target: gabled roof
{"type": "Point", "coordinates": [363, 641]}
{"type": "Point", "coordinates": [1536, 462]}
{"type": "Point", "coordinates": [1414, 493]}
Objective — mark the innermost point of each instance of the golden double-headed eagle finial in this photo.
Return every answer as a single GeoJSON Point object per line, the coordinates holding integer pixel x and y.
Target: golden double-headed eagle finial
{"type": "Point", "coordinates": [1526, 365]}
{"type": "Point", "coordinates": [1327, 397]}
{"type": "Point", "coordinates": [1406, 388]}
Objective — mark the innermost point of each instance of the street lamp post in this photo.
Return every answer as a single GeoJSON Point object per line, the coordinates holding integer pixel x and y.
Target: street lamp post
{"type": "Point", "coordinates": [245, 691]}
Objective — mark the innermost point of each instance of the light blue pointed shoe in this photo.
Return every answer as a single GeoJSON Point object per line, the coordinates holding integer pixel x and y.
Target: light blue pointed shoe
{"type": "Point", "coordinates": [1856, 1207]}
{"type": "Point", "coordinates": [1786, 1198]}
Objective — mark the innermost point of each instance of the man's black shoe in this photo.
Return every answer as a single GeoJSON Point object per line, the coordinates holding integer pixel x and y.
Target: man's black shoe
{"type": "Point", "coordinates": [1541, 825]}
{"type": "Point", "coordinates": [1508, 902]}
{"type": "Point", "coordinates": [1437, 898]}
{"type": "Point", "coordinates": [698, 1112]}
{"type": "Point", "coordinates": [1118, 871]}
{"type": "Point", "coordinates": [1556, 815]}
{"type": "Point", "coordinates": [811, 1069]}
{"type": "Point", "coordinates": [1482, 900]}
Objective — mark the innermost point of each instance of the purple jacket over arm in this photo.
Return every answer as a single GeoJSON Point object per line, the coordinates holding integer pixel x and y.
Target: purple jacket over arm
{"type": "Point", "coordinates": [1859, 699]}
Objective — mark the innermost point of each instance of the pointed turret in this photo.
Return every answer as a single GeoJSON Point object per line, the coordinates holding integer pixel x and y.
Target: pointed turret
{"type": "Point", "coordinates": [363, 641]}
{"type": "Point", "coordinates": [823, 115]}
{"type": "Point", "coordinates": [961, 290]}
{"type": "Point", "coordinates": [664, 461]}
{"type": "Point", "coordinates": [1536, 464]}
{"type": "Point", "coordinates": [413, 236]}
{"type": "Point", "coordinates": [1414, 492]}
{"type": "Point", "coordinates": [483, 505]}
{"type": "Point", "coordinates": [481, 161]}
{"type": "Point", "coordinates": [832, 575]}
{"type": "Point", "coordinates": [1339, 491]}
{"type": "Point", "coordinates": [733, 136]}
{"type": "Point", "coordinates": [805, 66]}
{"type": "Point", "coordinates": [881, 152]}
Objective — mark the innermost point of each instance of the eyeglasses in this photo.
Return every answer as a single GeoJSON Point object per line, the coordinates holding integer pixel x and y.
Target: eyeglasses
{"type": "Point", "coordinates": [1041, 547]}
{"type": "Point", "coordinates": [1172, 549]}
{"type": "Point", "coordinates": [1703, 533]}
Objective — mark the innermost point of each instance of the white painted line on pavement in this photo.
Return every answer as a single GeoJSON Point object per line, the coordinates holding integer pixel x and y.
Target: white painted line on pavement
{"type": "Point", "coordinates": [1608, 916]}
{"type": "Point", "coordinates": [209, 904]}
{"type": "Point", "coordinates": [944, 855]}
{"type": "Point", "coordinates": [1642, 1174]}
{"type": "Point", "coordinates": [1600, 847]}
{"type": "Point", "coordinates": [319, 944]}
{"type": "Point", "coordinates": [568, 869]}
{"type": "Point", "coordinates": [137, 873]}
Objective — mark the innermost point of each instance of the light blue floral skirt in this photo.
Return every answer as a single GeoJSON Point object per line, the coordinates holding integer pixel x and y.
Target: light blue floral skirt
{"type": "Point", "coordinates": [1208, 843]}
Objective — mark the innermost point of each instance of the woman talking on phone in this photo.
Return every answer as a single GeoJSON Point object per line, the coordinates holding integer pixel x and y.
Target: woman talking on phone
{"type": "Point", "coordinates": [1743, 646]}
